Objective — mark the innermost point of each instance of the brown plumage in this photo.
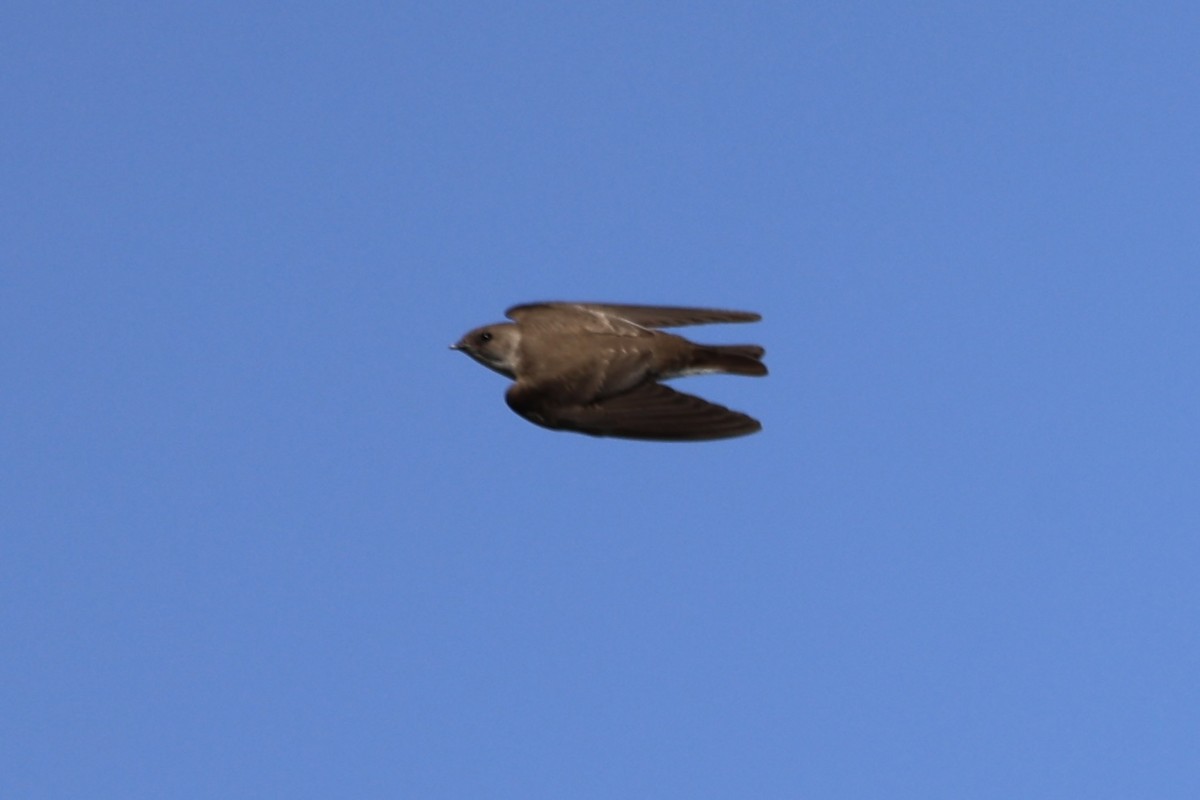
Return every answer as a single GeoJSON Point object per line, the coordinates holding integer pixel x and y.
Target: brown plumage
{"type": "Point", "coordinates": [595, 368]}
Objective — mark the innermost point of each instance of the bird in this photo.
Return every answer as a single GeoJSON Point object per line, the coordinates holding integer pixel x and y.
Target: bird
{"type": "Point", "coordinates": [597, 369]}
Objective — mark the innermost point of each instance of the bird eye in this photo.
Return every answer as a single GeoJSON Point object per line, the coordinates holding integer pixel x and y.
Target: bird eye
{"type": "Point", "coordinates": [485, 337]}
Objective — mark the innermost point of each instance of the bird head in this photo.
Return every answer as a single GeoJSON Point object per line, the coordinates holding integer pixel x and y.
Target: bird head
{"type": "Point", "coordinates": [494, 346]}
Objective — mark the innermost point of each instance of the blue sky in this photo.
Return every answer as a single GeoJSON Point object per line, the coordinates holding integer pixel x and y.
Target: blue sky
{"type": "Point", "coordinates": [265, 536]}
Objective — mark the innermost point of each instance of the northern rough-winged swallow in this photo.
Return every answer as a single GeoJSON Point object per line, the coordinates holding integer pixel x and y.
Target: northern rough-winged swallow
{"type": "Point", "coordinates": [595, 368]}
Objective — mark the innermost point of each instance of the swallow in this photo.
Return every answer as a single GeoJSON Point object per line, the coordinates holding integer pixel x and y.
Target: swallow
{"type": "Point", "coordinates": [597, 368]}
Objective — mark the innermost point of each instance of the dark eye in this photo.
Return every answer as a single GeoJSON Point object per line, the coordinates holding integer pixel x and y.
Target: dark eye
{"type": "Point", "coordinates": [485, 337]}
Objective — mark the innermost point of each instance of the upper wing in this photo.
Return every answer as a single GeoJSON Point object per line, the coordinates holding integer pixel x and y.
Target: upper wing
{"type": "Point", "coordinates": [650, 411]}
{"type": "Point", "coordinates": [645, 316]}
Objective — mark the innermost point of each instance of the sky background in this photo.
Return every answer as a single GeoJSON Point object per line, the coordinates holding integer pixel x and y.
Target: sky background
{"type": "Point", "coordinates": [265, 536]}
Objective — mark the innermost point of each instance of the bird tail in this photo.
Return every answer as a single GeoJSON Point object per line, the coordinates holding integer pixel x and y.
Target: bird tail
{"type": "Point", "coordinates": [736, 359]}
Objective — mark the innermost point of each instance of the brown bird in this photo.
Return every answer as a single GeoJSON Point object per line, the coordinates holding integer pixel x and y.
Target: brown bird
{"type": "Point", "coordinates": [595, 368]}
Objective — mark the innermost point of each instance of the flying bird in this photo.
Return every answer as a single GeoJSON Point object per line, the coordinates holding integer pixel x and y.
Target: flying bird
{"type": "Point", "coordinates": [596, 368]}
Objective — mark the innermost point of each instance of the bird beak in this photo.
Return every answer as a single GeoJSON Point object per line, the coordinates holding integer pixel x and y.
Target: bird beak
{"type": "Point", "coordinates": [456, 346]}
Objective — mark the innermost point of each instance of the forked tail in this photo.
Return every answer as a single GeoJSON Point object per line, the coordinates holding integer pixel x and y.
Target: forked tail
{"type": "Point", "coordinates": [736, 359]}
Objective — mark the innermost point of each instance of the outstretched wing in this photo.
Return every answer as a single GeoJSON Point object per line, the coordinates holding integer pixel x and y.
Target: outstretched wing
{"type": "Point", "coordinates": [645, 316]}
{"type": "Point", "coordinates": [650, 411]}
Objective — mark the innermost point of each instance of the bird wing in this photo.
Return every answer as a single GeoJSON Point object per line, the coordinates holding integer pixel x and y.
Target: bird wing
{"type": "Point", "coordinates": [650, 411]}
{"type": "Point", "coordinates": [644, 316]}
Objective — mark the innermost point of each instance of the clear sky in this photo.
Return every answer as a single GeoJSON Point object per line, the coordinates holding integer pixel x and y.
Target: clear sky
{"type": "Point", "coordinates": [265, 536]}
